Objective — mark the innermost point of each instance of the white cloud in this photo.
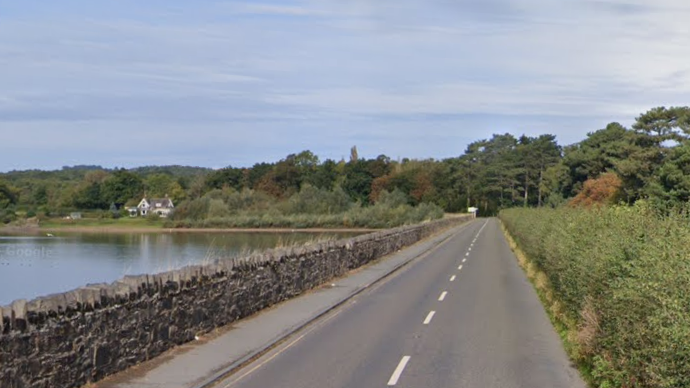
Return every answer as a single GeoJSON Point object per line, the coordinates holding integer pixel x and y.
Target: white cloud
{"type": "Point", "coordinates": [363, 67]}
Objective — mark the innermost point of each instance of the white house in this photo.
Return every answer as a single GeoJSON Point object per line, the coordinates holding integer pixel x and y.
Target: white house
{"type": "Point", "coordinates": [161, 206]}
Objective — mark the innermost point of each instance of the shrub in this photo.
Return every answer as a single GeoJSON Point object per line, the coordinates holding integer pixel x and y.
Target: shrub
{"type": "Point", "coordinates": [392, 199]}
{"type": "Point", "coordinates": [605, 190]}
{"type": "Point", "coordinates": [622, 277]}
{"type": "Point", "coordinates": [247, 200]}
{"type": "Point", "coordinates": [312, 200]}
{"type": "Point", "coordinates": [311, 207]}
{"type": "Point", "coordinates": [193, 210]}
{"type": "Point", "coordinates": [152, 217]}
{"type": "Point", "coordinates": [217, 209]}
{"type": "Point", "coordinates": [7, 215]}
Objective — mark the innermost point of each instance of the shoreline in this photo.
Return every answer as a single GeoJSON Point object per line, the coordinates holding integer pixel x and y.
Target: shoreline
{"type": "Point", "coordinates": [116, 230]}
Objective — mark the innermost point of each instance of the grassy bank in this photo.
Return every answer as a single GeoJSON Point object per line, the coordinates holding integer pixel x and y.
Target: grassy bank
{"type": "Point", "coordinates": [618, 280]}
{"type": "Point", "coordinates": [110, 223]}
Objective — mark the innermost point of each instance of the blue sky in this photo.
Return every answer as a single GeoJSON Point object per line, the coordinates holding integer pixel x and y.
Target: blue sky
{"type": "Point", "coordinates": [217, 83]}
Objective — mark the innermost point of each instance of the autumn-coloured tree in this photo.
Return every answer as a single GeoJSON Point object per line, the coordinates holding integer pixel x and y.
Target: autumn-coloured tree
{"type": "Point", "coordinates": [604, 190]}
{"type": "Point", "coordinates": [378, 186]}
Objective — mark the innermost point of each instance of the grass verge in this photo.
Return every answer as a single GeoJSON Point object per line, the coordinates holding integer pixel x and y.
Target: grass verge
{"type": "Point", "coordinates": [553, 307]}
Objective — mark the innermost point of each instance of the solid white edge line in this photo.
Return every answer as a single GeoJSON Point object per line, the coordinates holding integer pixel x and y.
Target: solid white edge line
{"type": "Point", "coordinates": [443, 296]}
{"type": "Point", "coordinates": [398, 371]}
{"type": "Point", "coordinates": [429, 317]}
{"type": "Point", "coordinates": [452, 278]}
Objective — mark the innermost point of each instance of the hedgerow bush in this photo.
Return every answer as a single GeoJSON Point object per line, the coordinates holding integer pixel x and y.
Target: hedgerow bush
{"type": "Point", "coordinates": [619, 279]}
{"type": "Point", "coordinates": [310, 208]}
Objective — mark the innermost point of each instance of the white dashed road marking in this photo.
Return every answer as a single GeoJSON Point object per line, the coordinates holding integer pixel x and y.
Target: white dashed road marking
{"type": "Point", "coordinates": [398, 371]}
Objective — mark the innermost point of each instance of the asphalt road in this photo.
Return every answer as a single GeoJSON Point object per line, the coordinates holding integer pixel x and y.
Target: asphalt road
{"type": "Point", "coordinates": [462, 316]}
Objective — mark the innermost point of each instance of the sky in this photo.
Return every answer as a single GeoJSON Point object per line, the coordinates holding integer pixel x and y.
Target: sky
{"type": "Point", "coordinates": [216, 83]}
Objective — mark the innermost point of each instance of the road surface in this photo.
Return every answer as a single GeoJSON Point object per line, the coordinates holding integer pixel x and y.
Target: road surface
{"type": "Point", "coordinates": [463, 315]}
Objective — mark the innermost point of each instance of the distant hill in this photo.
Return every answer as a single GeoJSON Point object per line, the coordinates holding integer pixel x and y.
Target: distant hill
{"type": "Point", "coordinates": [173, 170]}
{"type": "Point", "coordinates": [78, 172]}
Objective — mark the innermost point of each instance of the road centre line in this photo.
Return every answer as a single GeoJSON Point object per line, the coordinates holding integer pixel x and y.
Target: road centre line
{"type": "Point", "coordinates": [398, 371]}
{"type": "Point", "coordinates": [464, 260]}
{"type": "Point", "coordinates": [429, 317]}
{"type": "Point", "coordinates": [280, 349]}
{"type": "Point", "coordinates": [460, 267]}
{"type": "Point", "coordinates": [443, 296]}
{"type": "Point", "coordinates": [452, 278]}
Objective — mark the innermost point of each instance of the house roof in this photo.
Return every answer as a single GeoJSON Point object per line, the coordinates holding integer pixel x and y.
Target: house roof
{"type": "Point", "coordinates": [159, 202]}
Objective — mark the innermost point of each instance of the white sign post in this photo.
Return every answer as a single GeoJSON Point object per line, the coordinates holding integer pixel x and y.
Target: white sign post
{"type": "Point", "coordinates": [473, 211]}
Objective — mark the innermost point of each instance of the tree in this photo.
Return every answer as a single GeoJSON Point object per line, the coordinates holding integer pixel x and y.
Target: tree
{"type": "Point", "coordinates": [380, 166]}
{"type": "Point", "coordinates": [471, 169]}
{"type": "Point", "coordinates": [306, 164]}
{"type": "Point", "coordinates": [499, 169]}
{"type": "Point", "coordinates": [283, 180]}
{"type": "Point", "coordinates": [672, 181]}
{"type": "Point", "coordinates": [224, 177]}
{"type": "Point", "coordinates": [555, 183]}
{"type": "Point", "coordinates": [8, 195]}
{"type": "Point", "coordinates": [665, 124]}
{"type": "Point", "coordinates": [325, 175]}
{"type": "Point", "coordinates": [159, 185]}
{"type": "Point", "coordinates": [544, 152]}
{"type": "Point", "coordinates": [354, 155]}
{"type": "Point", "coordinates": [40, 195]}
{"type": "Point", "coordinates": [122, 186]}
{"type": "Point", "coordinates": [604, 190]}
{"type": "Point", "coordinates": [358, 179]}
{"type": "Point", "coordinates": [633, 156]}
{"type": "Point", "coordinates": [252, 176]}
{"type": "Point", "coordinates": [89, 195]}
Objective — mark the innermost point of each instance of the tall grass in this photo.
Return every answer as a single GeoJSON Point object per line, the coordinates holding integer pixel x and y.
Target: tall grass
{"type": "Point", "coordinates": [619, 279]}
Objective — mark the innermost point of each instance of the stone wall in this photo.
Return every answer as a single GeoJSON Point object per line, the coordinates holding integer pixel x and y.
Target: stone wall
{"type": "Point", "coordinates": [71, 339]}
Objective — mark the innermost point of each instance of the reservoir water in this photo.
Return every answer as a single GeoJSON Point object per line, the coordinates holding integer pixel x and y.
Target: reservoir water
{"type": "Point", "coordinates": [32, 266]}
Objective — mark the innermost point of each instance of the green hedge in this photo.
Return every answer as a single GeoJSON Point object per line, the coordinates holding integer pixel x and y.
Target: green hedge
{"type": "Point", "coordinates": [621, 279]}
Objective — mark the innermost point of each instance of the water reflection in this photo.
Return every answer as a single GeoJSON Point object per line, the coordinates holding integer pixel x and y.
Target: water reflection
{"type": "Point", "coordinates": [32, 266]}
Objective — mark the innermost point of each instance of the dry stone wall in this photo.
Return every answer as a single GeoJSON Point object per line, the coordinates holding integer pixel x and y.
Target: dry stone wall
{"type": "Point", "coordinates": [81, 336]}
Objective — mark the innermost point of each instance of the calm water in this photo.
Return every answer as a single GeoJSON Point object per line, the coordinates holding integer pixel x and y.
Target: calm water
{"type": "Point", "coordinates": [32, 266]}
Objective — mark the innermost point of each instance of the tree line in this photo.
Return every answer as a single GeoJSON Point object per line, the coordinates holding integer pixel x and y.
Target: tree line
{"type": "Point", "coordinates": [650, 160]}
